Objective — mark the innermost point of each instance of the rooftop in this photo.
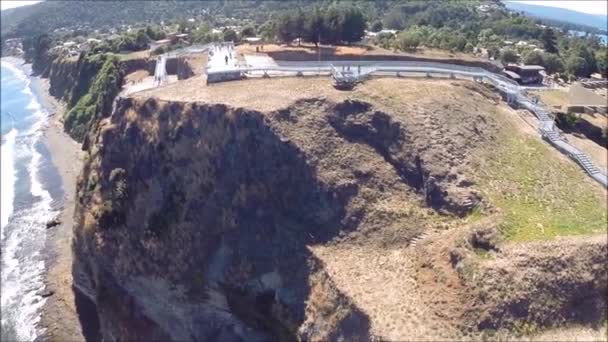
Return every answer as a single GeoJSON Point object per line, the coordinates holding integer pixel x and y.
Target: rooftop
{"type": "Point", "coordinates": [511, 74]}
{"type": "Point", "coordinates": [531, 67]}
{"type": "Point", "coordinates": [526, 67]}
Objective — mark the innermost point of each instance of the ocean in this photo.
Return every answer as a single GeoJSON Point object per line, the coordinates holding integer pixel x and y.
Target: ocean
{"type": "Point", "coordinates": [31, 195]}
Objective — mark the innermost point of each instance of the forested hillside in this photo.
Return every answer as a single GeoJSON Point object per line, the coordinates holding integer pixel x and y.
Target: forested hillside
{"type": "Point", "coordinates": [579, 19]}
{"type": "Point", "coordinates": [50, 15]}
{"type": "Point", "coordinates": [458, 26]}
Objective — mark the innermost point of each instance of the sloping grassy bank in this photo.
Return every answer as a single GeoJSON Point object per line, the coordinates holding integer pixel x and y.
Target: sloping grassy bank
{"type": "Point", "coordinates": [539, 194]}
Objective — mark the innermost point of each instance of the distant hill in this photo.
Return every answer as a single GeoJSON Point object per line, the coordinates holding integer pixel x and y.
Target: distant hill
{"type": "Point", "coordinates": [47, 16]}
{"type": "Point", "coordinates": [561, 14]}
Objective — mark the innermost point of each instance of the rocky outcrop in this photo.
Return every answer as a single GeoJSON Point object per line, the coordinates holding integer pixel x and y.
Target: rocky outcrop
{"type": "Point", "coordinates": [62, 76]}
{"type": "Point", "coordinates": [193, 219]}
{"type": "Point", "coordinates": [526, 288]}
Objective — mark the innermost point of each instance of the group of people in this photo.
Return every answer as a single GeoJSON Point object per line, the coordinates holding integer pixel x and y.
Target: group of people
{"type": "Point", "coordinates": [221, 46]}
{"type": "Point", "coordinates": [347, 68]}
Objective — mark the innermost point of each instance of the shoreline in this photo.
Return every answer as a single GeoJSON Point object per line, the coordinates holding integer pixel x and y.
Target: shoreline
{"type": "Point", "coordinates": [59, 316]}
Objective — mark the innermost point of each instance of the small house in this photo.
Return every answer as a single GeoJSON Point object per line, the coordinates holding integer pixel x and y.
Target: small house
{"type": "Point", "coordinates": [524, 74]}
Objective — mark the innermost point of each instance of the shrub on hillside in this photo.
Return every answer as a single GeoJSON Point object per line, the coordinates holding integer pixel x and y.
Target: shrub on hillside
{"type": "Point", "coordinates": [97, 102]}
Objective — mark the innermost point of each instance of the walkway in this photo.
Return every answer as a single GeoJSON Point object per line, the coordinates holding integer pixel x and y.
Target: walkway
{"type": "Point", "coordinates": [223, 61]}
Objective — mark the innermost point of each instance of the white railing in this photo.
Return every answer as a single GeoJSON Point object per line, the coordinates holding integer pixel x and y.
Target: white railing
{"type": "Point", "coordinates": [510, 88]}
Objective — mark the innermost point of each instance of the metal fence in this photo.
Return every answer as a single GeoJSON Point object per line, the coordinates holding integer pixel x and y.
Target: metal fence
{"type": "Point", "coordinates": [510, 88]}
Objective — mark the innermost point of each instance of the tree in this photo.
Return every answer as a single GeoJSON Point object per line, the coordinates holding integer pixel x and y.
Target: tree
{"type": "Point", "coordinates": [552, 63]}
{"type": "Point", "coordinates": [468, 48]}
{"type": "Point", "coordinates": [393, 20]}
{"type": "Point", "coordinates": [353, 25]}
{"type": "Point", "coordinates": [314, 27]}
{"type": "Point", "coordinates": [508, 56]}
{"type": "Point", "coordinates": [248, 31]}
{"type": "Point", "coordinates": [185, 26]}
{"type": "Point", "coordinates": [154, 33]}
{"type": "Point", "coordinates": [533, 58]}
{"type": "Point", "coordinates": [602, 62]}
{"type": "Point", "coordinates": [298, 25]}
{"type": "Point", "coordinates": [493, 51]}
{"type": "Point", "coordinates": [458, 43]}
{"type": "Point", "coordinates": [332, 23]}
{"type": "Point", "coordinates": [548, 39]}
{"type": "Point", "coordinates": [142, 40]}
{"type": "Point", "coordinates": [202, 34]}
{"type": "Point", "coordinates": [576, 66]}
{"type": "Point", "coordinates": [376, 26]}
{"type": "Point", "coordinates": [486, 38]}
{"type": "Point", "coordinates": [578, 49]}
{"type": "Point", "coordinates": [385, 40]}
{"type": "Point", "coordinates": [230, 36]}
{"type": "Point", "coordinates": [408, 40]}
{"type": "Point", "coordinates": [285, 29]}
{"type": "Point", "coordinates": [268, 30]}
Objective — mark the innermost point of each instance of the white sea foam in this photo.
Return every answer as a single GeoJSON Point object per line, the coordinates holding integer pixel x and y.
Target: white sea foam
{"type": "Point", "coordinates": [16, 71]}
{"type": "Point", "coordinates": [8, 177]}
{"type": "Point", "coordinates": [23, 241]}
{"type": "Point", "coordinates": [33, 105]}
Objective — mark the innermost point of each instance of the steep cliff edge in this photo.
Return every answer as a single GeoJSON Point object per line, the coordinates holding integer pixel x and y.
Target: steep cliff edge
{"type": "Point", "coordinates": [201, 220]}
{"type": "Point", "coordinates": [204, 208]}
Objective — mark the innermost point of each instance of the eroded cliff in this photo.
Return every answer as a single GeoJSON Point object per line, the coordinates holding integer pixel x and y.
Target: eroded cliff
{"type": "Point", "coordinates": [201, 220]}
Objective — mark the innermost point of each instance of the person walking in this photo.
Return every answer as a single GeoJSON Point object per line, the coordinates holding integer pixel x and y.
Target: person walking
{"type": "Point", "coordinates": [226, 57]}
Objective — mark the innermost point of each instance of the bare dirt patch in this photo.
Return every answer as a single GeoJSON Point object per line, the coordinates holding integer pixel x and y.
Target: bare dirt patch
{"type": "Point", "coordinates": [136, 76]}
{"type": "Point", "coordinates": [581, 96]}
{"type": "Point", "coordinates": [197, 63]}
{"type": "Point", "coordinates": [304, 48]}
{"type": "Point", "coordinates": [308, 52]}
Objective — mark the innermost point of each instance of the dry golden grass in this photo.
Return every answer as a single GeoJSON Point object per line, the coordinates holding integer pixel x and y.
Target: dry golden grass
{"type": "Point", "coordinates": [554, 98]}
{"type": "Point", "coordinates": [137, 76]}
{"type": "Point", "coordinates": [275, 93]}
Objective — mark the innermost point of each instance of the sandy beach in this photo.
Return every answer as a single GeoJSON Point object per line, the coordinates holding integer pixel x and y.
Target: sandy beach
{"type": "Point", "coordinates": [59, 315]}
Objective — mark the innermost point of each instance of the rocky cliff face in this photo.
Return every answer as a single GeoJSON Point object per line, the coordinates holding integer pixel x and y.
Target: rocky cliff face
{"type": "Point", "coordinates": [194, 219]}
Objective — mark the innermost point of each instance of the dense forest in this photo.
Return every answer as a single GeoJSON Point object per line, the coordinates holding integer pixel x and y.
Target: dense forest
{"type": "Point", "coordinates": [50, 15]}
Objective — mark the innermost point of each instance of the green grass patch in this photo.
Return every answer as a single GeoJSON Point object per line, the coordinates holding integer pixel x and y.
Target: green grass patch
{"type": "Point", "coordinates": [482, 253]}
{"type": "Point", "coordinates": [475, 215]}
{"type": "Point", "coordinates": [540, 195]}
